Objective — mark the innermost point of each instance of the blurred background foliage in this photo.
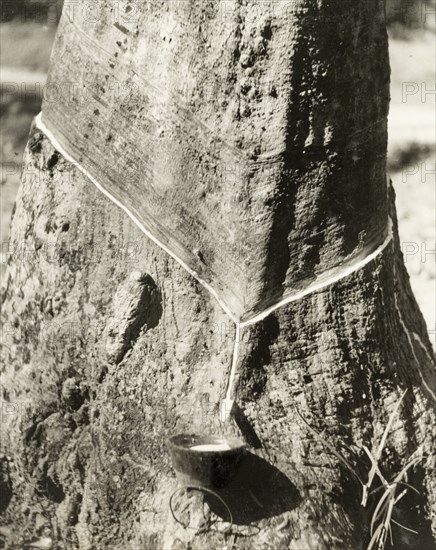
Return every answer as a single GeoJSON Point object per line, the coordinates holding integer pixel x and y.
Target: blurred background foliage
{"type": "Point", "coordinates": [405, 15]}
{"type": "Point", "coordinates": [39, 11]}
{"type": "Point", "coordinates": [27, 29]}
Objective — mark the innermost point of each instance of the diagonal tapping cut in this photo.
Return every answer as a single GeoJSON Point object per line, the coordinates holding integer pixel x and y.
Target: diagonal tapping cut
{"type": "Point", "coordinates": [295, 296]}
{"type": "Point", "coordinates": [52, 138]}
{"type": "Point", "coordinates": [320, 283]}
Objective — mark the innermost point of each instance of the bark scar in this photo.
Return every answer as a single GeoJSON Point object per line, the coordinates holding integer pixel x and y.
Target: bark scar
{"type": "Point", "coordinates": [137, 307]}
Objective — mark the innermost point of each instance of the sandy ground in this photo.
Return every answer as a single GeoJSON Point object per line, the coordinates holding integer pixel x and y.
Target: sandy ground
{"type": "Point", "coordinates": [412, 154]}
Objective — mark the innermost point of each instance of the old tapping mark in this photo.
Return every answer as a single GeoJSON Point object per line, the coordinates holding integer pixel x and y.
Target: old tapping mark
{"type": "Point", "coordinates": [323, 282]}
{"type": "Point", "coordinates": [409, 339]}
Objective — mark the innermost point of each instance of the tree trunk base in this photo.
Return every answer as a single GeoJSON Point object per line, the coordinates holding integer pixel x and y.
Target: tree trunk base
{"type": "Point", "coordinates": [112, 347]}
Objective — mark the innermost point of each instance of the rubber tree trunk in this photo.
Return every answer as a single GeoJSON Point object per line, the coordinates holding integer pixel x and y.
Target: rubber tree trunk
{"type": "Point", "coordinates": [111, 346]}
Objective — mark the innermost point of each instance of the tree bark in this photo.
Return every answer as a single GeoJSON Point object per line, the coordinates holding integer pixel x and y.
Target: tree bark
{"type": "Point", "coordinates": [111, 346]}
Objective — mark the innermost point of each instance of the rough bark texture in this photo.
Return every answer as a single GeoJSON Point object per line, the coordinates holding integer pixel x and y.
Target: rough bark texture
{"type": "Point", "coordinates": [110, 346]}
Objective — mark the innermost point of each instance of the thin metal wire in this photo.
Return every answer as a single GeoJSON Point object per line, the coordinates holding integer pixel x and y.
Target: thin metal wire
{"type": "Point", "coordinates": [203, 490]}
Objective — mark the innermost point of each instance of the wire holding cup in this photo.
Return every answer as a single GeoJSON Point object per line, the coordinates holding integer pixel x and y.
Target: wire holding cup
{"type": "Point", "coordinates": [203, 490]}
